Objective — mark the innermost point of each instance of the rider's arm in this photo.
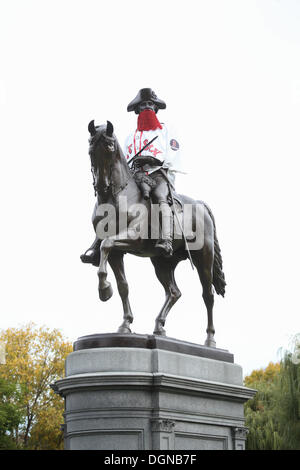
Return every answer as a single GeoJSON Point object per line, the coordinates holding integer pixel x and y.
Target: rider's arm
{"type": "Point", "coordinates": [173, 153]}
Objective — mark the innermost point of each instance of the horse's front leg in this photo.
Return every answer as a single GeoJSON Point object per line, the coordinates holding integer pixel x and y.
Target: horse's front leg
{"type": "Point", "coordinates": [105, 289]}
{"type": "Point", "coordinates": [120, 242]}
{"type": "Point", "coordinates": [117, 264]}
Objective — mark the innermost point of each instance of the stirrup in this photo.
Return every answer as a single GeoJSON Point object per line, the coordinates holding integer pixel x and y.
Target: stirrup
{"type": "Point", "coordinates": [93, 258]}
{"type": "Point", "coordinates": [166, 246]}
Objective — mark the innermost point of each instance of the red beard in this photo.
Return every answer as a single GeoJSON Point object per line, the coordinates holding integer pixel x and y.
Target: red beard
{"type": "Point", "coordinates": [147, 121]}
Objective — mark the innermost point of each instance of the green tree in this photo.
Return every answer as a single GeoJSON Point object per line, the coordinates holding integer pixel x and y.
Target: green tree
{"type": "Point", "coordinates": [288, 400]}
{"type": "Point", "coordinates": [35, 359]}
{"type": "Point", "coordinates": [11, 414]}
{"type": "Point", "coordinates": [272, 416]}
{"type": "Point", "coordinates": [259, 412]}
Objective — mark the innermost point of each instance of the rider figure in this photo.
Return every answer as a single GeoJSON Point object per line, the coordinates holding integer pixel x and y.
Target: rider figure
{"type": "Point", "coordinates": [153, 167]}
{"type": "Point", "coordinates": [158, 155]}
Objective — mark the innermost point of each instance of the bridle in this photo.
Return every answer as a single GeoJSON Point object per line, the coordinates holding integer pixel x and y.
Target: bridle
{"type": "Point", "coordinates": [115, 190]}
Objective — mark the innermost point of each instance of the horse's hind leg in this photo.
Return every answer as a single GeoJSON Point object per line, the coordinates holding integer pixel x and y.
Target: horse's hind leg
{"type": "Point", "coordinates": [164, 269]}
{"type": "Point", "coordinates": [203, 261]}
{"type": "Point", "coordinates": [117, 264]}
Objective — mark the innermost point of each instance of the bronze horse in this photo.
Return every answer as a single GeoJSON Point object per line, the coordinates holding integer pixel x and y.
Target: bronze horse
{"type": "Point", "coordinates": [113, 180]}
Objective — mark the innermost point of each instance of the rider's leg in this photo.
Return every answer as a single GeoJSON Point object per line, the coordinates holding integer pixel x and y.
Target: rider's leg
{"type": "Point", "coordinates": [145, 188]}
{"type": "Point", "coordinates": [145, 183]}
{"type": "Point", "coordinates": [159, 196]}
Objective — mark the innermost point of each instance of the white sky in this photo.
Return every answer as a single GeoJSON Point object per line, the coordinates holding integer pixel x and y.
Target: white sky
{"type": "Point", "coordinates": [229, 72]}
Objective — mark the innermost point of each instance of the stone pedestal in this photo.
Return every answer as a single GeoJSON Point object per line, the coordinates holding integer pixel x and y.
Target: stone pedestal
{"type": "Point", "coordinates": [143, 392]}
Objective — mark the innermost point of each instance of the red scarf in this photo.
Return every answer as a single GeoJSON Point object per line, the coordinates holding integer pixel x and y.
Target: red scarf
{"type": "Point", "coordinates": [147, 121]}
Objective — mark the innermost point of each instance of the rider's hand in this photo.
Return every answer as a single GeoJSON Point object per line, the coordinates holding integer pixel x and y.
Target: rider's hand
{"type": "Point", "coordinates": [146, 160]}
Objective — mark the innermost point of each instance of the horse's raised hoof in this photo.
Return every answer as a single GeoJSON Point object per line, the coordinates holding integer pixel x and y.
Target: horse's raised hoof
{"type": "Point", "coordinates": [105, 293]}
{"type": "Point", "coordinates": [210, 342]}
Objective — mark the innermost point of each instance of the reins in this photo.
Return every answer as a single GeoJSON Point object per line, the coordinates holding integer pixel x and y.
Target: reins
{"type": "Point", "coordinates": [115, 188]}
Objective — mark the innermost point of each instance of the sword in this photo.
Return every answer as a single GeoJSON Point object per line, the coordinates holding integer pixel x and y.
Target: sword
{"type": "Point", "coordinates": [175, 213]}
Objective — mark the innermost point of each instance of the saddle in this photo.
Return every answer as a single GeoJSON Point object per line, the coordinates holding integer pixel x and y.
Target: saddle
{"type": "Point", "coordinates": [146, 184]}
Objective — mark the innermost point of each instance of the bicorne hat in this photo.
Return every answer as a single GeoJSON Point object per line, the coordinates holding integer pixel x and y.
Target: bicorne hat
{"type": "Point", "coordinates": [146, 94]}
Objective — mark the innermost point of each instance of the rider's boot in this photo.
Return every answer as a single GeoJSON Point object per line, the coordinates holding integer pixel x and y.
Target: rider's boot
{"type": "Point", "coordinates": [165, 242]}
{"type": "Point", "coordinates": [94, 256]}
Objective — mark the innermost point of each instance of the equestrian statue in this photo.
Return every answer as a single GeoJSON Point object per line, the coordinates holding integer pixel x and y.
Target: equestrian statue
{"type": "Point", "coordinates": [128, 186]}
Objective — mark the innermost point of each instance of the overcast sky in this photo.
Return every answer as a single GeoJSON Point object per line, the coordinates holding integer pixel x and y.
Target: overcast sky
{"type": "Point", "coordinates": [229, 72]}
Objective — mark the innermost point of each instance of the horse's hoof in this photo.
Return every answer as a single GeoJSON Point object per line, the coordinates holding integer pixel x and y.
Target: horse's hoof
{"type": "Point", "coordinates": [159, 331]}
{"type": "Point", "coordinates": [210, 342]}
{"type": "Point", "coordinates": [124, 330]}
{"type": "Point", "coordinates": [106, 293]}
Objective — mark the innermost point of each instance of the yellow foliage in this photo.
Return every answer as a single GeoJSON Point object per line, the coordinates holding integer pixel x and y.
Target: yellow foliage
{"type": "Point", "coordinates": [266, 375]}
{"type": "Point", "coordinates": [46, 433]}
{"type": "Point", "coordinates": [35, 359]}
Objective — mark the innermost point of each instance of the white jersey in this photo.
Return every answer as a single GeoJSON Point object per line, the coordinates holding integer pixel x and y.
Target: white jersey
{"type": "Point", "coordinates": [165, 148]}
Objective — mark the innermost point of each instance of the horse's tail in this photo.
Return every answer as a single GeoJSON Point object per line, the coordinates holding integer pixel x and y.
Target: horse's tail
{"type": "Point", "coordinates": [218, 275]}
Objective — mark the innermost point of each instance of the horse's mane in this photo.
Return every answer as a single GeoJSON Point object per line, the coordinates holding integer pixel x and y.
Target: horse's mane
{"type": "Point", "coordinates": [118, 154]}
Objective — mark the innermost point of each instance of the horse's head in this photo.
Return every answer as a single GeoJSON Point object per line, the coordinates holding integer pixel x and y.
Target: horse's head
{"type": "Point", "coordinates": [103, 147]}
{"type": "Point", "coordinates": [102, 141]}
{"type": "Point", "coordinates": [109, 165]}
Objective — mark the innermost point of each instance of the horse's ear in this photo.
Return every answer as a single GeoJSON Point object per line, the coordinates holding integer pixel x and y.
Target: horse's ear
{"type": "Point", "coordinates": [92, 128]}
{"type": "Point", "coordinates": [109, 129]}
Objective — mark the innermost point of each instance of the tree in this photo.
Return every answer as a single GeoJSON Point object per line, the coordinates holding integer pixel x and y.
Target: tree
{"type": "Point", "coordinates": [273, 415]}
{"type": "Point", "coordinates": [259, 412]}
{"type": "Point", "coordinates": [11, 414]}
{"type": "Point", "coordinates": [35, 359]}
{"type": "Point", "coordinates": [288, 399]}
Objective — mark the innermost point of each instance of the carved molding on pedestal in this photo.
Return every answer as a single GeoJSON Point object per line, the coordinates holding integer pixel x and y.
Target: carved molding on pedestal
{"type": "Point", "coordinates": [239, 436]}
{"type": "Point", "coordinates": [163, 425]}
{"type": "Point", "coordinates": [239, 433]}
